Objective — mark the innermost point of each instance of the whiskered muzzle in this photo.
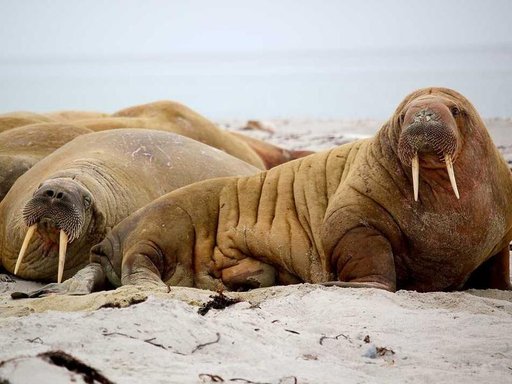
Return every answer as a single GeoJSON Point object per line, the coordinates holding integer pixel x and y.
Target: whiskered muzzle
{"type": "Point", "coordinates": [427, 137]}
{"type": "Point", "coordinates": [67, 219]}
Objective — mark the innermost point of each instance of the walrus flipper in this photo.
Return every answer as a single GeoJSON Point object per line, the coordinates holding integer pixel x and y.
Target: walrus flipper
{"type": "Point", "coordinates": [370, 264]}
{"type": "Point", "coordinates": [89, 279]}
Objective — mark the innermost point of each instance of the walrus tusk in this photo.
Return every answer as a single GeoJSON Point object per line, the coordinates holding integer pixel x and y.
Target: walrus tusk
{"type": "Point", "coordinates": [63, 245]}
{"type": "Point", "coordinates": [24, 246]}
{"type": "Point", "coordinates": [415, 175]}
{"type": "Point", "coordinates": [451, 174]}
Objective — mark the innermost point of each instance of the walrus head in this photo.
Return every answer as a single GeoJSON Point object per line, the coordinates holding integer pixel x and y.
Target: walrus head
{"type": "Point", "coordinates": [59, 210]}
{"type": "Point", "coordinates": [431, 133]}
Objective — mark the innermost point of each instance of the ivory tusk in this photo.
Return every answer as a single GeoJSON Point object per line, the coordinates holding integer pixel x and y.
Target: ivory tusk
{"type": "Point", "coordinates": [415, 175]}
{"type": "Point", "coordinates": [451, 174]}
{"type": "Point", "coordinates": [24, 247]}
{"type": "Point", "coordinates": [63, 245]}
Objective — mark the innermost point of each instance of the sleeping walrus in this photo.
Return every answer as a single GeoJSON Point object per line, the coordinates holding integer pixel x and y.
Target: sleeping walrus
{"type": "Point", "coordinates": [425, 205]}
{"type": "Point", "coordinates": [178, 118]}
{"type": "Point", "coordinates": [90, 184]}
{"type": "Point", "coordinates": [23, 146]}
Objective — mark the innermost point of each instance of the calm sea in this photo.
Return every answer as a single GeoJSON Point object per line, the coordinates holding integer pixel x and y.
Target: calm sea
{"type": "Point", "coordinates": [349, 84]}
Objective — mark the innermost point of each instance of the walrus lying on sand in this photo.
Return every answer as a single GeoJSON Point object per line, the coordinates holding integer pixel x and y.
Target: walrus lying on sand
{"type": "Point", "coordinates": [19, 119]}
{"type": "Point", "coordinates": [424, 205]}
{"type": "Point", "coordinates": [167, 116]}
{"type": "Point", "coordinates": [175, 117]}
{"type": "Point", "coordinates": [76, 194]}
{"type": "Point", "coordinates": [22, 147]}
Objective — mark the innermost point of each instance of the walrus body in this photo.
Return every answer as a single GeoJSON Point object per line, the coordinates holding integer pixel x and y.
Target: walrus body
{"type": "Point", "coordinates": [22, 147]}
{"type": "Point", "coordinates": [90, 184]}
{"type": "Point", "coordinates": [174, 117]}
{"type": "Point", "coordinates": [272, 155]}
{"type": "Point", "coordinates": [355, 214]}
{"type": "Point", "coordinates": [18, 119]}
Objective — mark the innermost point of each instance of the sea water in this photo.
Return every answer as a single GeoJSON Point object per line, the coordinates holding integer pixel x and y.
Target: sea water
{"type": "Point", "coordinates": [342, 84]}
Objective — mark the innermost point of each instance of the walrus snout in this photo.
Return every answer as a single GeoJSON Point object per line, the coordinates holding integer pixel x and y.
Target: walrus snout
{"type": "Point", "coordinates": [60, 203]}
{"type": "Point", "coordinates": [427, 133]}
{"type": "Point", "coordinates": [63, 202]}
{"type": "Point", "coordinates": [429, 130]}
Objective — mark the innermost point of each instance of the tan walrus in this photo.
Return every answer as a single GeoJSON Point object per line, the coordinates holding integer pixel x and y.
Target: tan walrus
{"type": "Point", "coordinates": [19, 153]}
{"type": "Point", "coordinates": [167, 116]}
{"type": "Point", "coordinates": [76, 194]}
{"type": "Point", "coordinates": [175, 117]}
{"type": "Point", "coordinates": [425, 205]}
{"type": "Point", "coordinates": [19, 119]}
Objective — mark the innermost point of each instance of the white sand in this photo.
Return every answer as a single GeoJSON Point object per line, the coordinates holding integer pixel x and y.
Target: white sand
{"type": "Point", "coordinates": [296, 334]}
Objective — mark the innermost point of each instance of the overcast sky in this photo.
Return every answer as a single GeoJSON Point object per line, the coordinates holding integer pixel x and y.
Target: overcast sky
{"type": "Point", "coordinates": [71, 27]}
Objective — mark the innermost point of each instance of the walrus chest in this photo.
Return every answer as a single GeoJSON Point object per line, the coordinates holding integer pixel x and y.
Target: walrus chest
{"type": "Point", "coordinates": [445, 246]}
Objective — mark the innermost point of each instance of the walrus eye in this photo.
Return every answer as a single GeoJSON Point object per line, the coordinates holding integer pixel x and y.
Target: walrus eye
{"type": "Point", "coordinates": [455, 111]}
{"type": "Point", "coordinates": [87, 201]}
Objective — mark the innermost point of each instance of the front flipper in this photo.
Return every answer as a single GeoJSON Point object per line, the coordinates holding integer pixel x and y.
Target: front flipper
{"type": "Point", "coordinates": [142, 266]}
{"type": "Point", "coordinates": [364, 258]}
{"type": "Point", "coordinates": [85, 281]}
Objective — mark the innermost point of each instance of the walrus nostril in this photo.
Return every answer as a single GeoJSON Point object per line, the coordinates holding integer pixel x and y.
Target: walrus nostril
{"type": "Point", "coordinates": [59, 195]}
{"type": "Point", "coordinates": [49, 193]}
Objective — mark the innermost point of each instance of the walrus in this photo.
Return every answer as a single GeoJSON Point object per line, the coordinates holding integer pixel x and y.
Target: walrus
{"type": "Point", "coordinates": [70, 199]}
{"type": "Point", "coordinates": [272, 155]}
{"type": "Point", "coordinates": [175, 117]}
{"type": "Point", "coordinates": [18, 119]}
{"type": "Point", "coordinates": [426, 205]}
{"type": "Point", "coordinates": [18, 156]}
{"type": "Point", "coordinates": [21, 118]}
{"type": "Point", "coordinates": [68, 116]}
{"type": "Point", "coordinates": [22, 147]}
{"type": "Point", "coordinates": [167, 116]}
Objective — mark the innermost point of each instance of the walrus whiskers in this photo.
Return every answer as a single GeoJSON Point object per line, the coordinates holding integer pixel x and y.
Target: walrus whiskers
{"type": "Point", "coordinates": [63, 245]}
{"type": "Point", "coordinates": [415, 175]}
{"type": "Point", "coordinates": [24, 247]}
{"type": "Point", "coordinates": [451, 174]}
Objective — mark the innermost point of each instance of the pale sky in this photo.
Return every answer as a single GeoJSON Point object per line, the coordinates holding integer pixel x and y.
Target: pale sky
{"type": "Point", "coordinates": [96, 27]}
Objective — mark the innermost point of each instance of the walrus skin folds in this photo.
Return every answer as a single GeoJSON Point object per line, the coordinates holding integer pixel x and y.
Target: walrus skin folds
{"type": "Point", "coordinates": [424, 205]}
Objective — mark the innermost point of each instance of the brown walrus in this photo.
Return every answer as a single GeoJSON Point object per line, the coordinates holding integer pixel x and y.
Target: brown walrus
{"type": "Point", "coordinates": [22, 147]}
{"type": "Point", "coordinates": [76, 194]}
{"type": "Point", "coordinates": [425, 205]}
{"type": "Point", "coordinates": [272, 155]}
{"type": "Point", "coordinates": [19, 153]}
{"type": "Point", "coordinates": [175, 117]}
{"type": "Point", "coordinates": [166, 116]}
{"type": "Point", "coordinates": [18, 119]}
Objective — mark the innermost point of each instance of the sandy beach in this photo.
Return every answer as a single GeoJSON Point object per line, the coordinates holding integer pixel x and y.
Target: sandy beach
{"type": "Point", "coordinates": [288, 335]}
